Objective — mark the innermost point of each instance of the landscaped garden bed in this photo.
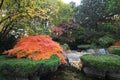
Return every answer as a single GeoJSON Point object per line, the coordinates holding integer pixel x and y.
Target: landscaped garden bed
{"type": "Point", "coordinates": [25, 68]}
{"type": "Point", "coordinates": [101, 66]}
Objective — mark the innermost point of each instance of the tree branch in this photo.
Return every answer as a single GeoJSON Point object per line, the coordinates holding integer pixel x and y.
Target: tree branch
{"type": "Point", "coordinates": [3, 32]}
{"type": "Point", "coordinates": [1, 4]}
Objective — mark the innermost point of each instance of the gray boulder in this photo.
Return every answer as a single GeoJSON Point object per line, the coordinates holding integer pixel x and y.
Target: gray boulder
{"type": "Point", "coordinates": [73, 60]}
{"type": "Point", "coordinates": [102, 51]}
{"type": "Point", "coordinates": [90, 51]}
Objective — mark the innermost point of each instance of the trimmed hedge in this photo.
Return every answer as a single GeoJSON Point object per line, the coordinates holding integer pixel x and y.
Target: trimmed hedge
{"type": "Point", "coordinates": [84, 46]}
{"type": "Point", "coordinates": [114, 50]}
{"type": "Point", "coordinates": [100, 62]}
{"type": "Point", "coordinates": [24, 67]}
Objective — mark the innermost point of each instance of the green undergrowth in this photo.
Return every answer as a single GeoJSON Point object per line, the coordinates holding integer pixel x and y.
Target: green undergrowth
{"type": "Point", "coordinates": [106, 62]}
{"type": "Point", "coordinates": [24, 67]}
{"type": "Point", "coordinates": [84, 46]}
{"type": "Point", "coordinates": [114, 50]}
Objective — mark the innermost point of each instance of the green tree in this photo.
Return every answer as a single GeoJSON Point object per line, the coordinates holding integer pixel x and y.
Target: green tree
{"type": "Point", "coordinates": [65, 13]}
{"type": "Point", "coordinates": [90, 12]}
{"type": "Point", "coordinates": [32, 17]}
{"type": "Point", "coordinates": [97, 19]}
{"type": "Point", "coordinates": [25, 16]}
{"type": "Point", "coordinates": [113, 6]}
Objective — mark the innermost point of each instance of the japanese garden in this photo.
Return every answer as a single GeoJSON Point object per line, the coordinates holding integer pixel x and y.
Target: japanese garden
{"type": "Point", "coordinates": [54, 40]}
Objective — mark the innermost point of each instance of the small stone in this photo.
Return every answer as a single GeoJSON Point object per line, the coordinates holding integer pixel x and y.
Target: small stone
{"type": "Point", "coordinates": [101, 51]}
{"type": "Point", "coordinates": [90, 51]}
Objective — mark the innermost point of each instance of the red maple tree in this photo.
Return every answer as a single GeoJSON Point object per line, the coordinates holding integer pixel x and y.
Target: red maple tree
{"type": "Point", "coordinates": [36, 48]}
{"type": "Point", "coordinates": [117, 43]}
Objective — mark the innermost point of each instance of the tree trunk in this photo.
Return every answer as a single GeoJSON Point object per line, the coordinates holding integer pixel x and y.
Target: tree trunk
{"type": "Point", "coordinates": [1, 4]}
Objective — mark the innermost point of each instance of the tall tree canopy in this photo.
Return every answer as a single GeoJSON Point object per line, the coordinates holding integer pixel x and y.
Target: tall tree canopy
{"type": "Point", "coordinates": [91, 12]}
{"type": "Point", "coordinates": [99, 19]}
{"type": "Point", "coordinates": [31, 17]}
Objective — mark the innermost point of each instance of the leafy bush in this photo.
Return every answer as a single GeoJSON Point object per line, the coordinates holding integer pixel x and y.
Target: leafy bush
{"type": "Point", "coordinates": [36, 48]}
{"type": "Point", "coordinates": [114, 50]}
{"type": "Point", "coordinates": [66, 32]}
{"type": "Point", "coordinates": [65, 46]}
{"type": "Point", "coordinates": [116, 43]}
{"type": "Point", "coordinates": [106, 41]}
{"type": "Point", "coordinates": [84, 46]}
{"type": "Point", "coordinates": [57, 31]}
{"type": "Point", "coordinates": [87, 46]}
{"type": "Point", "coordinates": [24, 67]}
{"type": "Point", "coordinates": [106, 62]}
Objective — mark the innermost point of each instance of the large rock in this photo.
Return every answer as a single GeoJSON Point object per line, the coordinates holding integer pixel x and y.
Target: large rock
{"type": "Point", "coordinates": [102, 51]}
{"type": "Point", "coordinates": [113, 76]}
{"type": "Point", "coordinates": [91, 72]}
{"type": "Point", "coordinates": [73, 60]}
{"type": "Point", "coordinates": [72, 57]}
{"type": "Point", "coordinates": [91, 51]}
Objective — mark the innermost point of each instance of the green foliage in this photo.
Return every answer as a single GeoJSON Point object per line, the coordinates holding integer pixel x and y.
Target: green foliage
{"type": "Point", "coordinates": [65, 13]}
{"type": "Point", "coordinates": [33, 17]}
{"type": "Point", "coordinates": [96, 18]}
{"type": "Point", "coordinates": [113, 6]}
{"type": "Point", "coordinates": [114, 50]}
{"type": "Point", "coordinates": [24, 67]}
{"type": "Point", "coordinates": [111, 29]}
{"type": "Point", "coordinates": [85, 35]}
{"type": "Point", "coordinates": [106, 41]}
{"type": "Point", "coordinates": [106, 62]}
{"type": "Point", "coordinates": [89, 13]}
{"type": "Point", "coordinates": [65, 46]}
{"type": "Point", "coordinates": [84, 46]}
{"type": "Point", "coordinates": [68, 32]}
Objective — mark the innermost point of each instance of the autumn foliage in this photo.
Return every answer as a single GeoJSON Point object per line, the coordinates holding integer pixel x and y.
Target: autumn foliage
{"type": "Point", "coordinates": [36, 48]}
{"type": "Point", "coordinates": [65, 32]}
{"type": "Point", "coordinates": [117, 43]}
{"type": "Point", "coordinates": [57, 31]}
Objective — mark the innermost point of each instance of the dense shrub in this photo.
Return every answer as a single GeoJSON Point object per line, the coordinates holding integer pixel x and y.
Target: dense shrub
{"type": "Point", "coordinates": [114, 50]}
{"type": "Point", "coordinates": [65, 47]}
{"type": "Point", "coordinates": [116, 43]}
{"type": "Point", "coordinates": [106, 41]}
{"type": "Point", "coordinates": [84, 47]}
{"type": "Point", "coordinates": [106, 62]}
{"type": "Point", "coordinates": [24, 67]}
{"type": "Point", "coordinates": [66, 32]}
{"type": "Point", "coordinates": [36, 48]}
{"type": "Point", "coordinates": [57, 31]}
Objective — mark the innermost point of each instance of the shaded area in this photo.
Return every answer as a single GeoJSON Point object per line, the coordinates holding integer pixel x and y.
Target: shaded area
{"type": "Point", "coordinates": [66, 73]}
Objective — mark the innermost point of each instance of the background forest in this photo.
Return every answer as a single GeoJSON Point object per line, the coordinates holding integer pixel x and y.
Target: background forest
{"type": "Point", "coordinates": [93, 22]}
